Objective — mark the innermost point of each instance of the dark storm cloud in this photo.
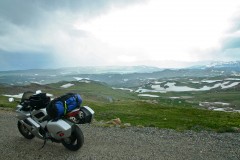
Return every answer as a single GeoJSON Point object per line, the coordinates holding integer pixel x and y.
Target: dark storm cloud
{"type": "Point", "coordinates": [34, 33]}
{"type": "Point", "coordinates": [25, 22]}
{"type": "Point", "coordinates": [22, 22]}
{"type": "Point", "coordinates": [229, 49]}
{"type": "Point", "coordinates": [19, 12]}
{"type": "Point", "coordinates": [231, 43]}
{"type": "Point", "coordinates": [35, 12]}
{"type": "Point", "coordinates": [234, 40]}
{"type": "Point", "coordinates": [18, 60]}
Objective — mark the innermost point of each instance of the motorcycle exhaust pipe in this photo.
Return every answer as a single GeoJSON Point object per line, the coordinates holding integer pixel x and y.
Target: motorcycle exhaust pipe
{"type": "Point", "coordinates": [32, 126]}
{"type": "Point", "coordinates": [27, 124]}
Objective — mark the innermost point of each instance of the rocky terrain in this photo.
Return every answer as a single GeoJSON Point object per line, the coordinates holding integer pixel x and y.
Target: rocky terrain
{"type": "Point", "coordinates": [121, 143]}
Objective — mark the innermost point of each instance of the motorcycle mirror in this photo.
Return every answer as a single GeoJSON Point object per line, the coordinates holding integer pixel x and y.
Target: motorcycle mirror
{"type": "Point", "coordinates": [11, 99]}
{"type": "Point", "coordinates": [38, 91]}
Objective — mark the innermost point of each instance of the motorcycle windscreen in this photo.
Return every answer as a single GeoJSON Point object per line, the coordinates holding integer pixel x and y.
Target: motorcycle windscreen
{"type": "Point", "coordinates": [26, 95]}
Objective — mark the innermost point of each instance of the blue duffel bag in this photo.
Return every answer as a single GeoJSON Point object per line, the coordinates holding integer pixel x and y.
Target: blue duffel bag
{"type": "Point", "coordinates": [60, 106]}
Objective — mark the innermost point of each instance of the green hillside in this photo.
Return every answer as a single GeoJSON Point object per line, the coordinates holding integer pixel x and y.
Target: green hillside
{"type": "Point", "coordinates": [162, 112]}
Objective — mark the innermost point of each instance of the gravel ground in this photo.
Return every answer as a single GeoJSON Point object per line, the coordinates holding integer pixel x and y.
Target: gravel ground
{"type": "Point", "coordinates": [116, 143]}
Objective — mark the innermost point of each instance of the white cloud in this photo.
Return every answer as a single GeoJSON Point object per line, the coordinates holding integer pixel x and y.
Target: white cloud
{"type": "Point", "coordinates": [162, 33]}
{"type": "Point", "coordinates": [165, 30]}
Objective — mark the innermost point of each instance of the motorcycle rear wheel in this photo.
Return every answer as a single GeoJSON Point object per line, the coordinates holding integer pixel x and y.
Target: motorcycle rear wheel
{"type": "Point", "coordinates": [24, 131]}
{"type": "Point", "coordinates": [75, 141]}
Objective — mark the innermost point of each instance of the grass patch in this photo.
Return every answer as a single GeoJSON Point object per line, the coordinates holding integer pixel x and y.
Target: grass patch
{"type": "Point", "coordinates": [159, 112]}
{"type": "Point", "coordinates": [161, 116]}
{"type": "Point", "coordinates": [6, 104]}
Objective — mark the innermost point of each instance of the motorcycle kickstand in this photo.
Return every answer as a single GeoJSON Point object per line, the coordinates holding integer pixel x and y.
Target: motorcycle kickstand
{"type": "Point", "coordinates": [45, 140]}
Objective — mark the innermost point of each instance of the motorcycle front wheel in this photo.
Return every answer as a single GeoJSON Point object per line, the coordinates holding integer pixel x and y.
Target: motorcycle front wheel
{"type": "Point", "coordinates": [75, 141]}
{"type": "Point", "coordinates": [24, 131]}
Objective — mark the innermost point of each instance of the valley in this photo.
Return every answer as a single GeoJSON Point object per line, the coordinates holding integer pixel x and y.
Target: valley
{"type": "Point", "coordinates": [181, 99]}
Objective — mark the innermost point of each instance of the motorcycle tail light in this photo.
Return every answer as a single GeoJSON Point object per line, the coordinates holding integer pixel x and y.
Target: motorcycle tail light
{"type": "Point", "coordinates": [61, 134]}
{"type": "Point", "coordinates": [74, 113]}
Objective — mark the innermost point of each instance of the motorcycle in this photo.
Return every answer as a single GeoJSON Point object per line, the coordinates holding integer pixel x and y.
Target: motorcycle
{"type": "Point", "coordinates": [35, 122]}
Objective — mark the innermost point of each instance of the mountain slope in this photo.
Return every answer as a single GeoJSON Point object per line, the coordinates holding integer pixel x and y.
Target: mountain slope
{"type": "Point", "coordinates": [117, 76]}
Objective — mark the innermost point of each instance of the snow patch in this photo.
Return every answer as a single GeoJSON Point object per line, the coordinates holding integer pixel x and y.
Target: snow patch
{"type": "Point", "coordinates": [232, 79]}
{"type": "Point", "coordinates": [148, 95]}
{"type": "Point", "coordinates": [174, 97]}
{"type": "Point", "coordinates": [67, 85]}
{"type": "Point", "coordinates": [124, 89]}
{"type": "Point", "coordinates": [14, 96]}
{"type": "Point", "coordinates": [21, 94]}
{"type": "Point", "coordinates": [49, 95]}
{"type": "Point", "coordinates": [230, 85]}
{"type": "Point", "coordinates": [156, 82]}
{"type": "Point", "coordinates": [211, 81]}
{"type": "Point", "coordinates": [170, 87]}
{"type": "Point", "coordinates": [85, 80]}
{"type": "Point", "coordinates": [142, 90]}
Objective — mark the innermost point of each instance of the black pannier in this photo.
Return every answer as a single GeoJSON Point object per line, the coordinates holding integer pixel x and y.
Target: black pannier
{"type": "Point", "coordinates": [39, 101]}
{"type": "Point", "coordinates": [86, 115]}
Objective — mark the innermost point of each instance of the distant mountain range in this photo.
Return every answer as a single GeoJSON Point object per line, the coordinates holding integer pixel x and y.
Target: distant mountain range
{"type": "Point", "coordinates": [126, 76]}
{"type": "Point", "coordinates": [232, 65]}
{"type": "Point", "coordinates": [90, 70]}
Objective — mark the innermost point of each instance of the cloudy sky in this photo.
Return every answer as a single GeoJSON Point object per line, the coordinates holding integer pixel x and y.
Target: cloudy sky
{"type": "Point", "coordinates": [163, 33]}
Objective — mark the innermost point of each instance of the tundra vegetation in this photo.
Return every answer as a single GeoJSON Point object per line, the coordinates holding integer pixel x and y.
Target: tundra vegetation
{"type": "Point", "coordinates": [216, 109]}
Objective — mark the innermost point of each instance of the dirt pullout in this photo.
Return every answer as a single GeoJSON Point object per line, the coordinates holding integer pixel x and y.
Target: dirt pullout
{"type": "Point", "coordinates": [116, 143]}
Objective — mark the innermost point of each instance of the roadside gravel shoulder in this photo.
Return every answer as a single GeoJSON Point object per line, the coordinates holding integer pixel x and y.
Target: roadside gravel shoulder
{"type": "Point", "coordinates": [117, 143]}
